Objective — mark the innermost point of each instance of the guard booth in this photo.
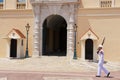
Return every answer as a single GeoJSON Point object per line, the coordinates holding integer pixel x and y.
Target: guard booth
{"type": "Point", "coordinates": [15, 44]}
{"type": "Point", "coordinates": [89, 45]}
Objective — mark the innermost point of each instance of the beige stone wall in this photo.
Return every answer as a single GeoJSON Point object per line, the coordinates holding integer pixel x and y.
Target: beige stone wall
{"type": "Point", "coordinates": [117, 3]}
{"type": "Point", "coordinates": [108, 27]}
{"type": "Point", "coordinates": [105, 23]}
{"type": "Point", "coordinates": [7, 23]}
{"type": "Point", "coordinates": [83, 26]}
{"type": "Point", "coordinates": [90, 3]}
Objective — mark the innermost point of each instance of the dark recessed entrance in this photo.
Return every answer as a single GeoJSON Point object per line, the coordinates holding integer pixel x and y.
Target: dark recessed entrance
{"type": "Point", "coordinates": [13, 48]}
{"type": "Point", "coordinates": [89, 49]}
{"type": "Point", "coordinates": [54, 36]}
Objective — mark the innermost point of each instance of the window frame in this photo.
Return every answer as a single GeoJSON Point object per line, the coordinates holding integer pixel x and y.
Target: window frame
{"type": "Point", "coordinates": [107, 5]}
{"type": "Point", "coordinates": [2, 5]}
{"type": "Point", "coordinates": [21, 4]}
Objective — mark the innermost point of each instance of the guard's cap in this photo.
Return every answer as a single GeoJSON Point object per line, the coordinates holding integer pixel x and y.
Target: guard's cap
{"type": "Point", "coordinates": [101, 46]}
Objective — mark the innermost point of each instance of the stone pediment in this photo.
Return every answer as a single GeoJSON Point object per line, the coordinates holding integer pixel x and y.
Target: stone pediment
{"type": "Point", "coordinates": [89, 34]}
{"type": "Point", "coordinates": [15, 34]}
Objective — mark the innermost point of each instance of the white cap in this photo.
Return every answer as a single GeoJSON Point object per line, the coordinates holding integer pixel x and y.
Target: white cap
{"type": "Point", "coordinates": [100, 46]}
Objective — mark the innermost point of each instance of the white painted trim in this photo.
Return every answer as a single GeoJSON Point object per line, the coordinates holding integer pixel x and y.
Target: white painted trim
{"type": "Point", "coordinates": [18, 48]}
{"type": "Point", "coordinates": [95, 50]}
{"type": "Point", "coordinates": [8, 48]}
{"type": "Point", "coordinates": [83, 49]}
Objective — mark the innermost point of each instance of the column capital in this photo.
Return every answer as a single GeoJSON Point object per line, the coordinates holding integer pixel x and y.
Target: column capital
{"type": "Point", "coordinates": [36, 9]}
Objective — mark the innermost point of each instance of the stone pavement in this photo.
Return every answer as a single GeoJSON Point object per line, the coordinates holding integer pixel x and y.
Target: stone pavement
{"type": "Point", "coordinates": [40, 75]}
{"type": "Point", "coordinates": [54, 68]}
{"type": "Point", "coordinates": [56, 64]}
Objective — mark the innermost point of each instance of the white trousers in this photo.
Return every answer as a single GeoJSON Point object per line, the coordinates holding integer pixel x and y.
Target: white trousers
{"type": "Point", "coordinates": [101, 67]}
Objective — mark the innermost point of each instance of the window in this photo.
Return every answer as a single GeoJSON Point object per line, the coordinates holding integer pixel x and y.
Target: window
{"type": "Point", "coordinates": [106, 3]}
{"type": "Point", "coordinates": [1, 4]}
{"type": "Point", "coordinates": [21, 4]}
{"type": "Point", "coordinates": [1, 0]}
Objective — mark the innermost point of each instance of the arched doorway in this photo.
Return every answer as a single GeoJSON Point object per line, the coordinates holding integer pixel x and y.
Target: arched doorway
{"type": "Point", "coordinates": [89, 49]}
{"type": "Point", "coordinates": [54, 36]}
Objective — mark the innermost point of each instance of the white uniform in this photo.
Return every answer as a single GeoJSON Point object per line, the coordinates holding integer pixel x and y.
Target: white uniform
{"type": "Point", "coordinates": [100, 63]}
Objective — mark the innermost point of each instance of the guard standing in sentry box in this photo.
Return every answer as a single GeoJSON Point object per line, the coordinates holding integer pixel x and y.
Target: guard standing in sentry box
{"type": "Point", "coordinates": [100, 53]}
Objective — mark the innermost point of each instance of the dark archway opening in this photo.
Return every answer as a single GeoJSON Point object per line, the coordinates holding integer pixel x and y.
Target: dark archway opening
{"type": "Point", "coordinates": [54, 36]}
{"type": "Point", "coordinates": [89, 49]}
{"type": "Point", "coordinates": [13, 48]}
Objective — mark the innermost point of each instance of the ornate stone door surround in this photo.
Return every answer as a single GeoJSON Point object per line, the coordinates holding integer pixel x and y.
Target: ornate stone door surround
{"type": "Point", "coordinates": [44, 8]}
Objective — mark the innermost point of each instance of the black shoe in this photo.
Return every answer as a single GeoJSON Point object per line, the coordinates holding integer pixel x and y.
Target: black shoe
{"type": "Point", "coordinates": [98, 76]}
{"type": "Point", "coordinates": [108, 74]}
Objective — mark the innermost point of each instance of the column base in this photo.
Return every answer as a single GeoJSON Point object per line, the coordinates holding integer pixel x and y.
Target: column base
{"type": "Point", "coordinates": [35, 54]}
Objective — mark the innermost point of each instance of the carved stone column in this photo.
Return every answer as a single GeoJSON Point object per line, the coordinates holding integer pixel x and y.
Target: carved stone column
{"type": "Point", "coordinates": [70, 40]}
{"type": "Point", "coordinates": [36, 31]}
{"type": "Point", "coordinates": [70, 34]}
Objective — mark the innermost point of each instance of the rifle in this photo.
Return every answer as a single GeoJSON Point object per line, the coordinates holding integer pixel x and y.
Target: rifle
{"type": "Point", "coordinates": [103, 41]}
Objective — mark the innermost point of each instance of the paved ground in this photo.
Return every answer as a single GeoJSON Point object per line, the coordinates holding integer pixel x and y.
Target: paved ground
{"type": "Point", "coordinates": [39, 75]}
{"type": "Point", "coordinates": [54, 68]}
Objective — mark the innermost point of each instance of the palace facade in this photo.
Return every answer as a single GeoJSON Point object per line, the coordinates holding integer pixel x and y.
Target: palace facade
{"type": "Point", "coordinates": [60, 28]}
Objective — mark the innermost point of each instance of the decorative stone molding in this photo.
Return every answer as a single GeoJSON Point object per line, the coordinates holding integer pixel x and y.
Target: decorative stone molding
{"type": "Point", "coordinates": [53, 1]}
{"type": "Point", "coordinates": [16, 14]}
{"type": "Point", "coordinates": [98, 12]}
